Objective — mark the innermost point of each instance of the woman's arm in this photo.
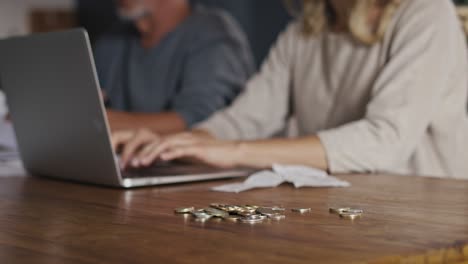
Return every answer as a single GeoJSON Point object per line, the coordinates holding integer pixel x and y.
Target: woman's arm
{"type": "Point", "coordinates": [307, 151]}
{"type": "Point", "coordinates": [263, 108]}
{"type": "Point", "coordinates": [144, 148]}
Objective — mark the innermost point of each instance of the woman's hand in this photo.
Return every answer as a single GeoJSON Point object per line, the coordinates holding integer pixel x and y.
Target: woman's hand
{"type": "Point", "coordinates": [143, 148]}
{"type": "Point", "coordinates": [197, 148]}
{"type": "Point", "coordinates": [130, 142]}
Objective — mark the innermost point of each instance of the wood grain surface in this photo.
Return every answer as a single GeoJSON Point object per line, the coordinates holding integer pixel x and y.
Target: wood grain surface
{"type": "Point", "coordinates": [406, 220]}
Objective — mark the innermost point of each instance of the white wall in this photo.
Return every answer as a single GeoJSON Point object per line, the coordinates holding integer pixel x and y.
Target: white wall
{"type": "Point", "coordinates": [13, 14]}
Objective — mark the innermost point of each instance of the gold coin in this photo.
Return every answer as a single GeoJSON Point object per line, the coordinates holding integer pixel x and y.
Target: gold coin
{"type": "Point", "coordinates": [354, 211]}
{"type": "Point", "coordinates": [277, 217]}
{"type": "Point", "coordinates": [301, 210]}
{"type": "Point", "coordinates": [216, 212]}
{"type": "Point", "coordinates": [201, 214]}
{"type": "Point", "coordinates": [350, 216]}
{"type": "Point", "coordinates": [334, 210]}
{"type": "Point", "coordinates": [269, 211]}
{"type": "Point", "coordinates": [184, 210]}
{"type": "Point", "coordinates": [245, 213]}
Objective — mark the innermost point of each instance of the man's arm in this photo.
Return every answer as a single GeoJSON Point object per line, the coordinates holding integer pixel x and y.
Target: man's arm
{"type": "Point", "coordinates": [160, 123]}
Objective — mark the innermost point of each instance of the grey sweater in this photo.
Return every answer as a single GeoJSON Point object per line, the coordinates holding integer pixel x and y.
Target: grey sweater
{"type": "Point", "coordinates": [196, 69]}
{"type": "Point", "coordinates": [395, 107]}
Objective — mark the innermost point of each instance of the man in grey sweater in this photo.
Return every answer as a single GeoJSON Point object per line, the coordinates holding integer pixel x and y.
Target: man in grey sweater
{"type": "Point", "coordinates": [170, 65]}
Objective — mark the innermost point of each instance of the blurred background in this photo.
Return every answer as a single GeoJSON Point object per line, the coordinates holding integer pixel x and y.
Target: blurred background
{"type": "Point", "coordinates": [262, 20]}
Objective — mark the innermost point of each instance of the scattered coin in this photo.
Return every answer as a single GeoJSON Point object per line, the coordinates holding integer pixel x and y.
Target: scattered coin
{"type": "Point", "coordinates": [338, 210]}
{"type": "Point", "coordinates": [237, 213]}
{"type": "Point", "coordinates": [245, 213]}
{"type": "Point", "coordinates": [267, 211]}
{"type": "Point", "coordinates": [252, 219]}
{"type": "Point", "coordinates": [232, 218]}
{"type": "Point", "coordinates": [184, 210]}
{"type": "Point", "coordinates": [351, 216]}
{"type": "Point", "coordinates": [277, 217]}
{"type": "Point", "coordinates": [201, 215]}
{"type": "Point", "coordinates": [217, 205]}
{"type": "Point", "coordinates": [354, 211]}
{"type": "Point", "coordinates": [274, 213]}
{"type": "Point", "coordinates": [216, 212]}
{"type": "Point", "coordinates": [277, 208]}
{"type": "Point", "coordinates": [301, 210]}
{"type": "Point", "coordinates": [347, 212]}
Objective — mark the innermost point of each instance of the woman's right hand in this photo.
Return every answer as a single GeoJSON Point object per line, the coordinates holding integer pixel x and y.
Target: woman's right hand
{"type": "Point", "coordinates": [143, 147]}
{"type": "Point", "coordinates": [128, 143]}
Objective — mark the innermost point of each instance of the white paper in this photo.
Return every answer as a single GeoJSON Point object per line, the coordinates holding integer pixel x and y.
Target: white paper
{"type": "Point", "coordinates": [262, 179]}
{"type": "Point", "coordinates": [10, 162]}
{"type": "Point", "coordinates": [292, 173]}
{"type": "Point", "coordinates": [299, 176]}
{"type": "Point", "coordinates": [7, 137]}
{"type": "Point", "coordinates": [302, 176]}
{"type": "Point", "coordinates": [12, 168]}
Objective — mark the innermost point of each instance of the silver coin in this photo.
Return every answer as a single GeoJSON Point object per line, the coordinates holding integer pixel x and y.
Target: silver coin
{"type": "Point", "coordinates": [184, 210]}
{"type": "Point", "coordinates": [219, 206]}
{"type": "Point", "coordinates": [201, 214]}
{"type": "Point", "coordinates": [232, 218]}
{"type": "Point", "coordinates": [216, 212]}
{"type": "Point", "coordinates": [277, 208]}
{"type": "Point", "coordinates": [245, 213]}
{"type": "Point", "coordinates": [268, 211]}
{"type": "Point", "coordinates": [230, 208]}
{"type": "Point", "coordinates": [350, 216]}
{"type": "Point", "coordinates": [216, 205]}
{"type": "Point", "coordinates": [338, 210]}
{"type": "Point", "coordinates": [354, 211]}
{"type": "Point", "coordinates": [277, 217]}
{"type": "Point", "coordinates": [301, 210]}
{"type": "Point", "coordinates": [201, 220]}
{"type": "Point", "coordinates": [346, 210]}
{"type": "Point", "coordinates": [236, 208]}
{"type": "Point", "coordinates": [252, 219]}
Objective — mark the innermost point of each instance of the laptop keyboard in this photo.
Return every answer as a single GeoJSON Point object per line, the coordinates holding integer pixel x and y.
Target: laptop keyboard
{"type": "Point", "coordinates": [169, 169]}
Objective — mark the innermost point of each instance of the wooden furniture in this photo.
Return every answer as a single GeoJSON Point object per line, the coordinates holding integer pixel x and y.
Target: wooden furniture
{"type": "Point", "coordinates": [46, 20]}
{"type": "Point", "coordinates": [406, 220]}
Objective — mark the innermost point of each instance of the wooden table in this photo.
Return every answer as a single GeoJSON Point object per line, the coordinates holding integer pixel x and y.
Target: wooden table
{"type": "Point", "coordinates": [407, 220]}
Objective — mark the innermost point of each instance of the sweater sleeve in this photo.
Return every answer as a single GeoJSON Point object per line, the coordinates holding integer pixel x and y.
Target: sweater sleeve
{"type": "Point", "coordinates": [213, 76]}
{"type": "Point", "coordinates": [404, 96]}
{"type": "Point", "coordinates": [262, 109]}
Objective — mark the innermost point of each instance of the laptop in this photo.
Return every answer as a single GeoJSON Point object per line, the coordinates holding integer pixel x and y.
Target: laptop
{"type": "Point", "coordinates": [53, 93]}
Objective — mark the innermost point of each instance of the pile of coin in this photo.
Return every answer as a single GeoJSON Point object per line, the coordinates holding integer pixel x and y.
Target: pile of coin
{"type": "Point", "coordinates": [249, 214]}
{"type": "Point", "coordinates": [347, 212]}
{"type": "Point", "coordinates": [252, 214]}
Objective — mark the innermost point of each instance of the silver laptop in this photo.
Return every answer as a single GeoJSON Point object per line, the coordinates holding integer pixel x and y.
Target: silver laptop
{"type": "Point", "coordinates": [52, 90]}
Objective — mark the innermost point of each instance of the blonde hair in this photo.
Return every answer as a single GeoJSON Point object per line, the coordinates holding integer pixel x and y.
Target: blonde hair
{"type": "Point", "coordinates": [318, 15]}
